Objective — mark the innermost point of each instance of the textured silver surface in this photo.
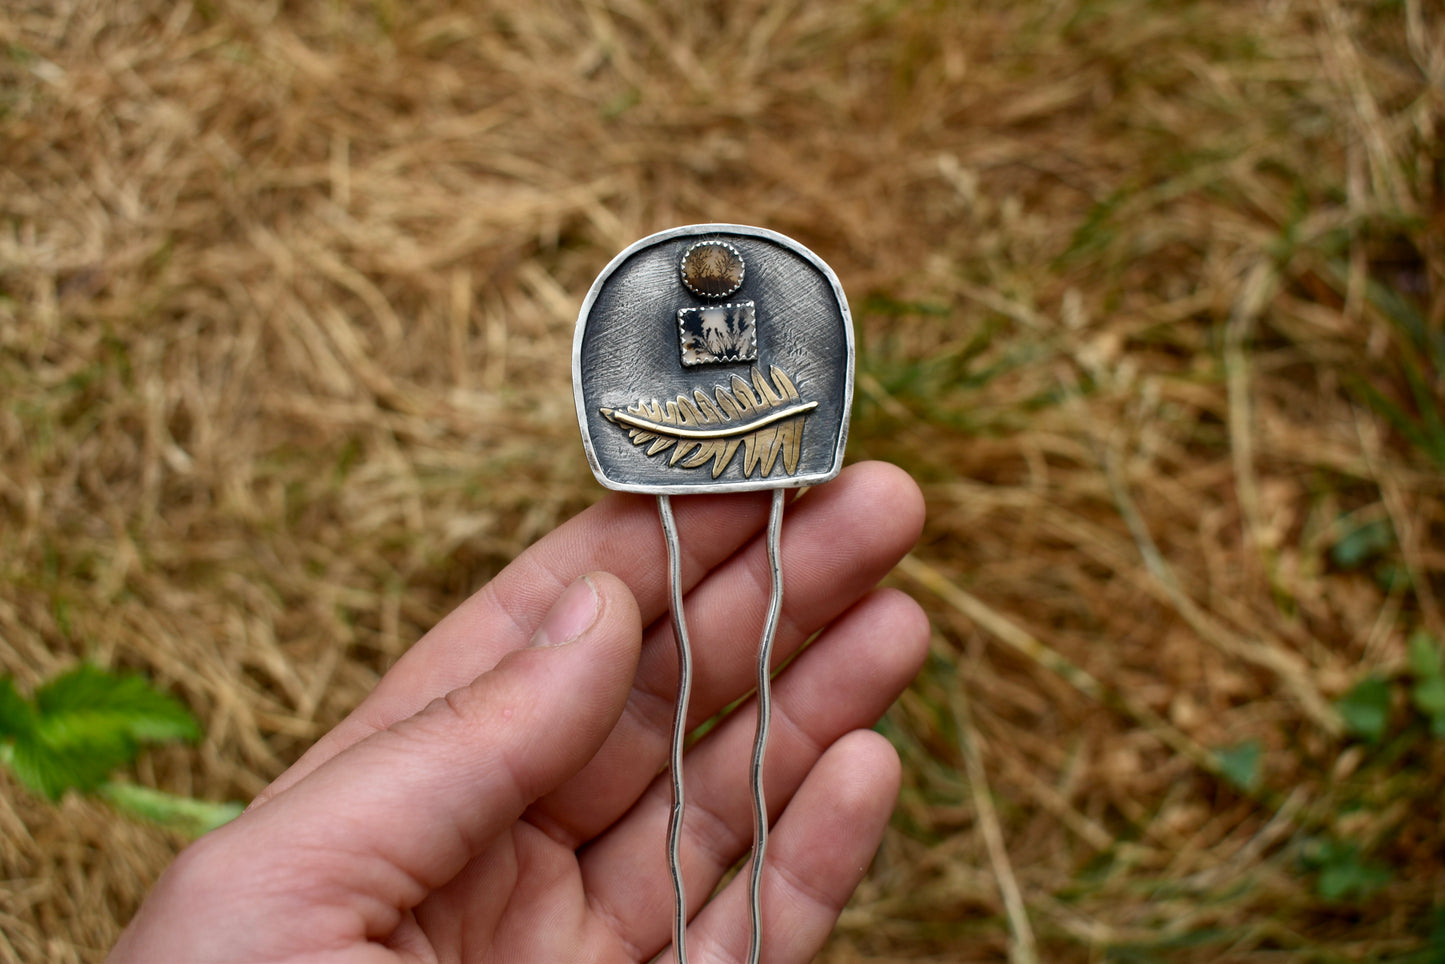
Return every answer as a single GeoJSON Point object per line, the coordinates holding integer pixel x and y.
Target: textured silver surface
{"type": "Point", "coordinates": [626, 351]}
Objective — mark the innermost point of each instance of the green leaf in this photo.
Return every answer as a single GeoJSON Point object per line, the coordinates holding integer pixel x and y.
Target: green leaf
{"type": "Point", "coordinates": [1345, 873]}
{"type": "Point", "coordinates": [86, 723]}
{"type": "Point", "coordinates": [186, 814]}
{"type": "Point", "coordinates": [1362, 544]}
{"type": "Point", "coordinates": [1240, 764]}
{"type": "Point", "coordinates": [1366, 709]}
{"type": "Point", "coordinates": [50, 768]}
{"type": "Point", "coordinates": [1429, 696]}
{"type": "Point", "coordinates": [1425, 656]}
{"type": "Point", "coordinates": [87, 700]}
{"type": "Point", "coordinates": [17, 716]}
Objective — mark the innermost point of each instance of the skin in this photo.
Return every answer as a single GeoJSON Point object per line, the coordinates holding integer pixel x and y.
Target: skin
{"type": "Point", "coordinates": [499, 795]}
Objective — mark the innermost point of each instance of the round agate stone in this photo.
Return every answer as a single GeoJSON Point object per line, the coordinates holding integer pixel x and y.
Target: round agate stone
{"type": "Point", "coordinates": [713, 269]}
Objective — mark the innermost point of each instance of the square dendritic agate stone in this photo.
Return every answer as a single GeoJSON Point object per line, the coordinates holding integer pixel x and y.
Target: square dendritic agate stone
{"type": "Point", "coordinates": [718, 333]}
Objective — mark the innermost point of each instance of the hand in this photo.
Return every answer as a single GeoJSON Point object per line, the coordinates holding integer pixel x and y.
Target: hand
{"type": "Point", "coordinates": [497, 797]}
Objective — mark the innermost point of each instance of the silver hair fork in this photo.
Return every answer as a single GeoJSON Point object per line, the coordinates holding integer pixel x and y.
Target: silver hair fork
{"type": "Point", "coordinates": [716, 346]}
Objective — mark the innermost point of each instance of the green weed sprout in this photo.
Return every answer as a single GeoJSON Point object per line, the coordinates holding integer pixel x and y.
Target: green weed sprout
{"type": "Point", "coordinates": [84, 724]}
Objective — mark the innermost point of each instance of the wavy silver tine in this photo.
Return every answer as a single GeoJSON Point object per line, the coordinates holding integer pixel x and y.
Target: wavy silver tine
{"type": "Point", "coordinates": [765, 715]}
{"type": "Point", "coordinates": [679, 728]}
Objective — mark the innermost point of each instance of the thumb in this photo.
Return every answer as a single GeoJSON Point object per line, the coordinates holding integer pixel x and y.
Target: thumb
{"type": "Point", "coordinates": [401, 812]}
{"type": "Point", "coordinates": [463, 770]}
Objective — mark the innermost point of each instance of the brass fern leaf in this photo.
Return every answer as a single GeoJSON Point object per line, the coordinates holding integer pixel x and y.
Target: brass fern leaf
{"type": "Point", "coordinates": [765, 418]}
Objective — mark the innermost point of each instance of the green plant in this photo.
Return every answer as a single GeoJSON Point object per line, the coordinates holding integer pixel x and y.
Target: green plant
{"type": "Point", "coordinates": [1344, 871]}
{"type": "Point", "coordinates": [82, 725]}
{"type": "Point", "coordinates": [1241, 764]}
{"type": "Point", "coordinates": [1427, 667]}
{"type": "Point", "coordinates": [1366, 707]}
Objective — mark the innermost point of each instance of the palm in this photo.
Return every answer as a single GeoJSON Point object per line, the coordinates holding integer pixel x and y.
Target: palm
{"type": "Point", "coordinates": [537, 884]}
{"type": "Point", "coordinates": [523, 817]}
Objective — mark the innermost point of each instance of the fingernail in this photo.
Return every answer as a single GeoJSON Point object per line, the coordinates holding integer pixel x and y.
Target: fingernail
{"type": "Point", "coordinates": [571, 615]}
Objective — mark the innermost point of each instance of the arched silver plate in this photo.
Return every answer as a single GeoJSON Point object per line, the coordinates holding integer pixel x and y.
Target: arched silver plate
{"type": "Point", "coordinates": [693, 373]}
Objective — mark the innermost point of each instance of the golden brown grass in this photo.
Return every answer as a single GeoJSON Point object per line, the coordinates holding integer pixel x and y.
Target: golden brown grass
{"type": "Point", "coordinates": [286, 299]}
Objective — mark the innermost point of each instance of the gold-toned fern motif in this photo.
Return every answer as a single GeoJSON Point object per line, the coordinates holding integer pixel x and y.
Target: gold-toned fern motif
{"type": "Point", "coordinates": [765, 418]}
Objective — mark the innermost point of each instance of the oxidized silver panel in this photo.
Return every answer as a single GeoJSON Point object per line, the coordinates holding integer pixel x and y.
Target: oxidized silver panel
{"type": "Point", "coordinates": [714, 358]}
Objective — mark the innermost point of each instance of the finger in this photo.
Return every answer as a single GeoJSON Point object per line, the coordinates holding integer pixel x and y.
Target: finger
{"type": "Point", "coordinates": [366, 837]}
{"type": "Point", "coordinates": [622, 533]}
{"type": "Point", "coordinates": [843, 682]}
{"type": "Point", "coordinates": [836, 545]}
{"type": "Point", "coordinates": [817, 855]}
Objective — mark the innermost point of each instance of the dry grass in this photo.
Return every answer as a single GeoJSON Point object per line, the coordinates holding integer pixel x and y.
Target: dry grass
{"type": "Point", "coordinates": [286, 295]}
